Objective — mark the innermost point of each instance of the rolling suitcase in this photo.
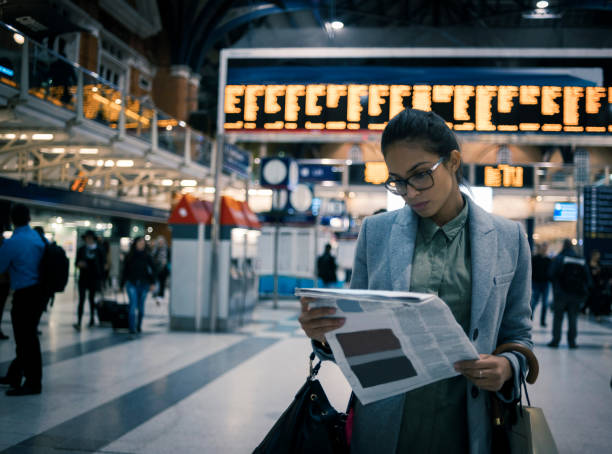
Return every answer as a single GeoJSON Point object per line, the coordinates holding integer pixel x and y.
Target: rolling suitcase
{"type": "Point", "coordinates": [105, 308]}
{"type": "Point", "coordinates": [120, 318]}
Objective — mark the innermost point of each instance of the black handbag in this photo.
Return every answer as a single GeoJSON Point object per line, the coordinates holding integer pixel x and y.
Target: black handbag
{"type": "Point", "coordinates": [309, 425]}
{"type": "Point", "coordinates": [518, 428]}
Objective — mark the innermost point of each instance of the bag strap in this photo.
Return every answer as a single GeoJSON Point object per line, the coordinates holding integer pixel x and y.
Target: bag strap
{"type": "Point", "coordinates": [313, 370]}
{"type": "Point", "coordinates": [532, 361]}
{"type": "Point", "coordinates": [532, 375]}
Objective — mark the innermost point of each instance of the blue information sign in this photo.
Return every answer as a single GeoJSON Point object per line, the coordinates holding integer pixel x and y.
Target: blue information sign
{"type": "Point", "coordinates": [315, 173]}
{"type": "Point", "coordinates": [236, 160]}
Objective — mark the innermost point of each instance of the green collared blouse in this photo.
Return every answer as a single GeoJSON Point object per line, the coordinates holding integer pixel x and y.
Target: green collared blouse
{"type": "Point", "coordinates": [435, 416]}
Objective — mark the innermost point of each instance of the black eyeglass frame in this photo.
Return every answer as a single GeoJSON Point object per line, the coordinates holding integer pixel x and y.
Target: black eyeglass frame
{"type": "Point", "coordinates": [406, 181]}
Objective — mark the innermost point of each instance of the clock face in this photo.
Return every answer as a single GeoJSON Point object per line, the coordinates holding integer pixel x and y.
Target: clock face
{"type": "Point", "coordinates": [274, 171]}
{"type": "Point", "coordinates": [301, 198]}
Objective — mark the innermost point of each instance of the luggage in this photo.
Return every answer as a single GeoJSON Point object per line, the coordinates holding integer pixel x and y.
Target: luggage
{"type": "Point", "coordinates": [105, 308]}
{"type": "Point", "coordinates": [121, 315]}
{"type": "Point", "coordinates": [111, 310]}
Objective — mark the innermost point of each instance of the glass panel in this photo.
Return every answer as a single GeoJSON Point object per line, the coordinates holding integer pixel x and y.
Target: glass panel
{"type": "Point", "coordinates": [138, 118]}
{"type": "Point", "coordinates": [101, 101]}
{"type": "Point", "coordinates": [52, 79]}
{"type": "Point", "coordinates": [201, 149]}
{"type": "Point", "coordinates": [168, 133]}
{"type": "Point", "coordinates": [10, 58]}
{"type": "Point", "coordinates": [561, 177]}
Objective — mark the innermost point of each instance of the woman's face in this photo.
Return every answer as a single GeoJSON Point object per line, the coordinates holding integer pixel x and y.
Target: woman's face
{"type": "Point", "coordinates": [140, 244]}
{"type": "Point", "coordinates": [405, 159]}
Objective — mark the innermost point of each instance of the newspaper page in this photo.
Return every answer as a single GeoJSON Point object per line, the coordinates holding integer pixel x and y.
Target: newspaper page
{"type": "Point", "coordinates": [392, 342]}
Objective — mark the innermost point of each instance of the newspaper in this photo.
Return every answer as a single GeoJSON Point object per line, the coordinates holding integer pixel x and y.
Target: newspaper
{"type": "Point", "coordinates": [392, 342]}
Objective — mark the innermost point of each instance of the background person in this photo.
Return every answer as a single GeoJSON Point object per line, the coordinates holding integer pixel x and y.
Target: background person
{"type": "Point", "coordinates": [21, 255]}
{"type": "Point", "coordinates": [571, 281]}
{"type": "Point", "coordinates": [138, 278]}
{"type": "Point", "coordinates": [478, 263]}
{"type": "Point", "coordinates": [327, 267]}
{"type": "Point", "coordinates": [90, 262]}
{"type": "Point", "coordinates": [160, 255]}
{"type": "Point", "coordinates": [540, 267]}
{"type": "Point", "coordinates": [598, 302]}
{"type": "Point", "coordinates": [5, 288]}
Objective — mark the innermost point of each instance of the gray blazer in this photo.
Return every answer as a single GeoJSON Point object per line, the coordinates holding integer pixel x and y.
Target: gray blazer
{"type": "Point", "coordinates": [500, 313]}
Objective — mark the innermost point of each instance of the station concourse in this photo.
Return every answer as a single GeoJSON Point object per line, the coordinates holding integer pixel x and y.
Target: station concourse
{"type": "Point", "coordinates": [193, 160]}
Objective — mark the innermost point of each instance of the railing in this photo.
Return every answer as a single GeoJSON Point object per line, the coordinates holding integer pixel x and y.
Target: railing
{"type": "Point", "coordinates": [38, 71]}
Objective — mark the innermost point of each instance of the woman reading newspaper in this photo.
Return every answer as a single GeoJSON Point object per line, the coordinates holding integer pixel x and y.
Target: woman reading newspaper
{"type": "Point", "coordinates": [479, 264]}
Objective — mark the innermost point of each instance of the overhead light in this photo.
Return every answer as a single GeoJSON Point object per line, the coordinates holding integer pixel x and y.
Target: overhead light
{"type": "Point", "coordinates": [23, 136]}
{"type": "Point", "coordinates": [189, 183]}
{"type": "Point", "coordinates": [42, 136]}
{"type": "Point", "coordinates": [541, 13]}
{"type": "Point", "coordinates": [182, 124]}
{"type": "Point", "coordinates": [100, 163]}
{"type": "Point", "coordinates": [209, 190]}
{"type": "Point", "coordinates": [167, 182]}
{"type": "Point", "coordinates": [109, 163]}
{"type": "Point", "coordinates": [9, 136]}
{"type": "Point", "coordinates": [542, 4]}
{"type": "Point", "coordinates": [169, 128]}
{"type": "Point", "coordinates": [188, 190]}
{"type": "Point", "coordinates": [57, 150]}
{"type": "Point", "coordinates": [257, 160]}
{"type": "Point", "coordinates": [94, 89]}
{"type": "Point", "coordinates": [18, 38]}
{"type": "Point", "coordinates": [337, 25]}
{"type": "Point", "coordinates": [117, 101]}
{"type": "Point", "coordinates": [125, 163]}
{"type": "Point", "coordinates": [88, 150]}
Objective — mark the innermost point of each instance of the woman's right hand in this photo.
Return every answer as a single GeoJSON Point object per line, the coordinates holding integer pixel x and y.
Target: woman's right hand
{"type": "Point", "coordinates": [317, 322]}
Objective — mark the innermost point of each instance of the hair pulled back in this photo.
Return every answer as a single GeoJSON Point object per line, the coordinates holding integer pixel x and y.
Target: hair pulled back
{"type": "Point", "coordinates": [428, 129]}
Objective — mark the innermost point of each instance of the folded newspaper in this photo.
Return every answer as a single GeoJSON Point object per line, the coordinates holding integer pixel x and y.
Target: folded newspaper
{"type": "Point", "coordinates": [392, 342]}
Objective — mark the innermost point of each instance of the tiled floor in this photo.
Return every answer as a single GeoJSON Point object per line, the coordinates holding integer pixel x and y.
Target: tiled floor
{"type": "Point", "coordinates": [199, 393]}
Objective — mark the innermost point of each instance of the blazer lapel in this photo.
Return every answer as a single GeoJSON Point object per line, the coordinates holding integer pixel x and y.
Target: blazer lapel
{"type": "Point", "coordinates": [403, 236]}
{"type": "Point", "coordinates": [483, 247]}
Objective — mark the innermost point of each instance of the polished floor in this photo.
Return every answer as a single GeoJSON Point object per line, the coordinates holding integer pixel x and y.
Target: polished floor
{"type": "Point", "coordinates": [168, 392]}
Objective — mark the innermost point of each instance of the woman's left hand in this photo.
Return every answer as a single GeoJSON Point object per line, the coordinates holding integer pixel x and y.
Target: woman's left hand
{"type": "Point", "coordinates": [490, 372]}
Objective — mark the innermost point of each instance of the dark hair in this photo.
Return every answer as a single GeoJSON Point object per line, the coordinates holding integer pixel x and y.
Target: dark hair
{"type": "Point", "coordinates": [133, 245]}
{"type": "Point", "coordinates": [328, 247]}
{"type": "Point", "coordinates": [427, 129]}
{"type": "Point", "coordinates": [20, 215]}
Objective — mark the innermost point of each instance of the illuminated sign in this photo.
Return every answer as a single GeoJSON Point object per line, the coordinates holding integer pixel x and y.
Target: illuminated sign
{"type": "Point", "coordinates": [353, 107]}
{"type": "Point", "coordinates": [376, 172]}
{"type": "Point", "coordinates": [368, 173]}
{"type": "Point", "coordinates": [504, 176]}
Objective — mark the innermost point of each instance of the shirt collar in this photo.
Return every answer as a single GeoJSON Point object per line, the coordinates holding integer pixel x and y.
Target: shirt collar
{"type": "Point", "coordinates": [22, 228]}
{"type": "Point", "coordinates": [428, 228]}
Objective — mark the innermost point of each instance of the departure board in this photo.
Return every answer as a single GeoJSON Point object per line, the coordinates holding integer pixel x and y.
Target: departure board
{"type": "Point", "coordinates": [598, 212]}
{"type": "Point", "coordinates": [359, 107]}
{"type": "Point", "coordinates": [598, 222]}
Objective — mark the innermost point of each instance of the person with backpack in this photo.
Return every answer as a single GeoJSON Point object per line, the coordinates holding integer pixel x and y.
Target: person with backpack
{"type": "Point", "coordinates": [571, 281]}
{"type": "Point", "coordinates": [21, 256]}
{"type": "Point", "coordinates": [90, 262]}
{"type": "Point", "coordinates": [54, 268]}
{"type": "Point", "coordinates": [326, 267]}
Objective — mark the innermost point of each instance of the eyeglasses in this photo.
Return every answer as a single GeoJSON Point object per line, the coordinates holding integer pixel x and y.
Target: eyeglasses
{"type": "Point", "coordinates": [419, 181]}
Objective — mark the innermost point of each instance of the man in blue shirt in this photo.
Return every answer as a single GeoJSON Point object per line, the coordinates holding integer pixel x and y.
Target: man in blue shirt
{"type": "Point", "coordinates": [21, 255]}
